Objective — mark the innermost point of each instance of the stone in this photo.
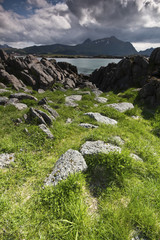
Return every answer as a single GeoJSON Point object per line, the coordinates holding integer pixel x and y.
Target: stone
{"type": "Point", "coordinates": [2, 85]}
{"type": "Point", "coordinates": [136, 157]}
{"type": "Point", "coordinates": [10, 79]}
{"type": "Point", "coordinates": [42, 101]}
{"type": "Point", "coordinates": [20, 106]}
{"type": "Point", "coordinates": [101, 99]}
{"type": "Point", "coordinates": [53, 112]}
{"type": "Point", "coordinates": [70, 162]}
{"type": "Point", "coordinates": [40, 91]}
{"type": "Point", "coordinates": [87, 125]}
{"type": "Point", "coordinates": [46, 131]}
{"type": "Point", "coordinates": [22, 96]}
{"type": "Point", "coordinates": [45, 116]}
{"type": "Point", "coordinates": [12, 101]}
{"type": "Point", "coordinates": [4, 91]}
{"type": "Point", "coordinates": [97, 92]}
{"type": "Point", "coordinates": [33, 114]}
{"type": "Point", "coordinates": [116, 140]}
{"type": "Point", "coordinates": [135, 117]}
{"type": "Point", "coordinates": [121, 107]}
{"type": "Point", "coordinates": [3, 100]}
{"type": "Point", "coordinates": [102, 119]}
{"type": "Point", "coordinates": [84, 92]}
{"type": "Point", "coordinates": [6, 159]}
{"type": "Point", "coordinates": [96, 147]}
{"type": "Point", "coordinates": [69, 120]}
{"type": "Point", "coordinates": [70, 100]}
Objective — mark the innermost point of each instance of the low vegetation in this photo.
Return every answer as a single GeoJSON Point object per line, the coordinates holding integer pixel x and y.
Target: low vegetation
{"type": "Point", "coordinates": [116, 198]}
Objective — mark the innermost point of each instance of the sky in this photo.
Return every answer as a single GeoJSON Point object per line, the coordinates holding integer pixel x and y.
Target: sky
{"type": "Point", "coordinates": [39, 22]}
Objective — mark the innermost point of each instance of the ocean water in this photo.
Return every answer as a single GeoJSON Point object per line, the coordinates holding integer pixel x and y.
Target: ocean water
{"type": "Point", "coordinates": [88, 65]}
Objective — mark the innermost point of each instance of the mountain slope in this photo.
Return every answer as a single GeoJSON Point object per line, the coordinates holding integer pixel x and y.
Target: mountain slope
{"type": "Point", "coordinates": [107, 46]}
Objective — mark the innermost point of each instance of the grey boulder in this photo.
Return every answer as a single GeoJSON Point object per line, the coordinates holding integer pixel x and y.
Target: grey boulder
{"type": "Point", "coordinates": [69, 163]}
{"type": "Point", "coordinates": [71, 100]}
{"type": "Point", "coordinates": [96, 147]}
{"type": "Point", "coordinates": [121, 107]}
{"type": "Point", "coordinates": [87, 125]}
{"type": "Point", "coordinates": [102, 119]}
{"type": "Point", "coordinates": [22, 96]}
{"type": "Point", "coordinates": [3, 100]}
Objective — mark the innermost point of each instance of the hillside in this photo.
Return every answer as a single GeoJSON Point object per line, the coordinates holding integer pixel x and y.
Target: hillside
{"type": "Point", "coordinates": [106, 47]}
{"type": "Point", "coordinates": [76, 162]}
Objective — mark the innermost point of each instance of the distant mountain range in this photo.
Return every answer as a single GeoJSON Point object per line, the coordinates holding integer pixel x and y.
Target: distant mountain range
{"type": "Point", "coordinates": [102, 47]}
{"type": "Point", "coordinates": [4, 46]}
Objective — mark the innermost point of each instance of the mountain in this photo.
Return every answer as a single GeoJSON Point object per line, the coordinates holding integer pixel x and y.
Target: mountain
{"type": "Point", "coordinates": [146, 52]}
{"type": "Point", "coordinates": [102, 47]}
{"type": "Point", "coordinates": [4, 46]}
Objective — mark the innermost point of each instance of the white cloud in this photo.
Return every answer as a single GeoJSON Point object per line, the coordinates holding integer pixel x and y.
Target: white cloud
{"type": "Point", "coordinates": [73, 21]}
{"type": "Point", "coordinates": [38, 3]}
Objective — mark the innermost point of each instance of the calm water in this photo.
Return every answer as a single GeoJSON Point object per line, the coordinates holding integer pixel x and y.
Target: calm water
{"type": "Point", "coordinates": [87, 65]}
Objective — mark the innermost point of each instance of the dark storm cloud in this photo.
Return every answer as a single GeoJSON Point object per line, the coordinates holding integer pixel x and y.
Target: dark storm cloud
{"type": "Point", "coordinates": [73, 21]}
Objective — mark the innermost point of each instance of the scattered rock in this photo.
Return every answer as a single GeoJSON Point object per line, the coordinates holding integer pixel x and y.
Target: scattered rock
{"type": "Point", "coordinates": [87, 125]}
{"type": "Point", "coordinates": [46, 131]}
{"type": "Point", "coordinates": [135, 117]}
{"type": "Point", "coordinates": [69, 120]}
{"type": "Point", "coordinates": [3, 100]}
{"type": "Point", "coordinates": [97, 92]}
{"type": "Point", "coordinates": [102, 119]}
{"type": "Point", "coordinates": [40, 91]}
{"type": "Point", "coordinates": [33, 114]}
{"type": "Point", "coordinates": [121, 107]}
{"type": "Point", "coordinates": [2, 85]}
{"type": "Point", "coordinates": [136, 157]}
{"type": "Point", "coordinates": [22, 96]}
{"type": "Point", "coordinates": [45, 116]}
{"type": "Point", "coordinates": [6, 159]}
{"type": "Point", "coordinates": [70, 100]}
{"type": "Point", "coordinates": [95, 147]}
{"type": "Point", "coordinates": [116, 140]}
{"type": "Point", "coordinates": [4, 91]}
{"type": "Point", "coordinates": [12, 101]}
{"type": "Point", "coordinates": [69, 163]}
{"type": "Point", "coordinates": [84, 92]}
{"type": "Point", "coordinates": [101, 99]}
{"type": "Point", "coordinates": [42, 101]}
{"type": "Point", "coordinates": [20, 106]}
{"type": "Point", "coordinates": [51, 111]}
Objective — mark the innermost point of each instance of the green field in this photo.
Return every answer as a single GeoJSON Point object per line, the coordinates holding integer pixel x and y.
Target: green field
{"type": "Point", "coordinates": [117, 198]}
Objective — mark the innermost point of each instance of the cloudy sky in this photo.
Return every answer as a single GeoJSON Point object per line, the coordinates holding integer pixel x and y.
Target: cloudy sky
{"type": "Point", "coordinates": [35, 22]}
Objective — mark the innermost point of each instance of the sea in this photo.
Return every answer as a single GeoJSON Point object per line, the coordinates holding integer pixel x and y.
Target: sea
{"type": "Point", "coordinates": [88, 65]}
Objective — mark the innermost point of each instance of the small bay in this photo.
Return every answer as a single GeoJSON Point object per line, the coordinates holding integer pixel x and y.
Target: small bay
{"type": "Point", "coordinates": [88, 65]}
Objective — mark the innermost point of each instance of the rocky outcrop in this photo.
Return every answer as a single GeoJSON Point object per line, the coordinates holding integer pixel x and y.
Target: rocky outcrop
{"type": "Point", "coordinates": [39, 74]}
{"type": "Point", "coordinates": [129, 72]}
{"type": "Point", "coordinates": [150, 92]}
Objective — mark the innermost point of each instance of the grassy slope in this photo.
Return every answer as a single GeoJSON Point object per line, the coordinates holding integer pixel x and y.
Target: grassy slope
{"type": "Point", "coordinates": [115, 197]}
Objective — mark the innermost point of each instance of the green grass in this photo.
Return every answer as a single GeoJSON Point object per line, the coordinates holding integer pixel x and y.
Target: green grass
{"type": "Point", "coordinates": [115, 198]}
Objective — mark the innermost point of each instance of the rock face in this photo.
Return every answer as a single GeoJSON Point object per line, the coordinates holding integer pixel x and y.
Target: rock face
{"type": "Point", "coordinates": [98, 147]}
{"type": "Point", "coordinates": [6, 159]}
{"type": "Point", "coordinates": [29, 71]}
{"type": "Point", "coordinates": [150, 92]}
{"type": "Point", "coordinates": [102, 119]}
{"type": "Point", "coordinates": [129, 72]}
{"type": "Point", "coordinates": [121, 107]}
{"type": "Point", "coordinates": [69, 163]}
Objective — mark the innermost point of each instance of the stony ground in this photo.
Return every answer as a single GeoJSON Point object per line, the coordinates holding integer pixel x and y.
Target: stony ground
{"type": "Point", "coordinates": [78, 164]}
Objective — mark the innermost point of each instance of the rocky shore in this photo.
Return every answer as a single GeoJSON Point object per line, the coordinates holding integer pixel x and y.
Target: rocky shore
{"type": "Point", "coordinates": [135, 71]}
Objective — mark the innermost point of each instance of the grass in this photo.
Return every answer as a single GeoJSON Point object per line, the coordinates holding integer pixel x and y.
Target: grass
{"type": "Point", "coordinates": [116, 198]}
